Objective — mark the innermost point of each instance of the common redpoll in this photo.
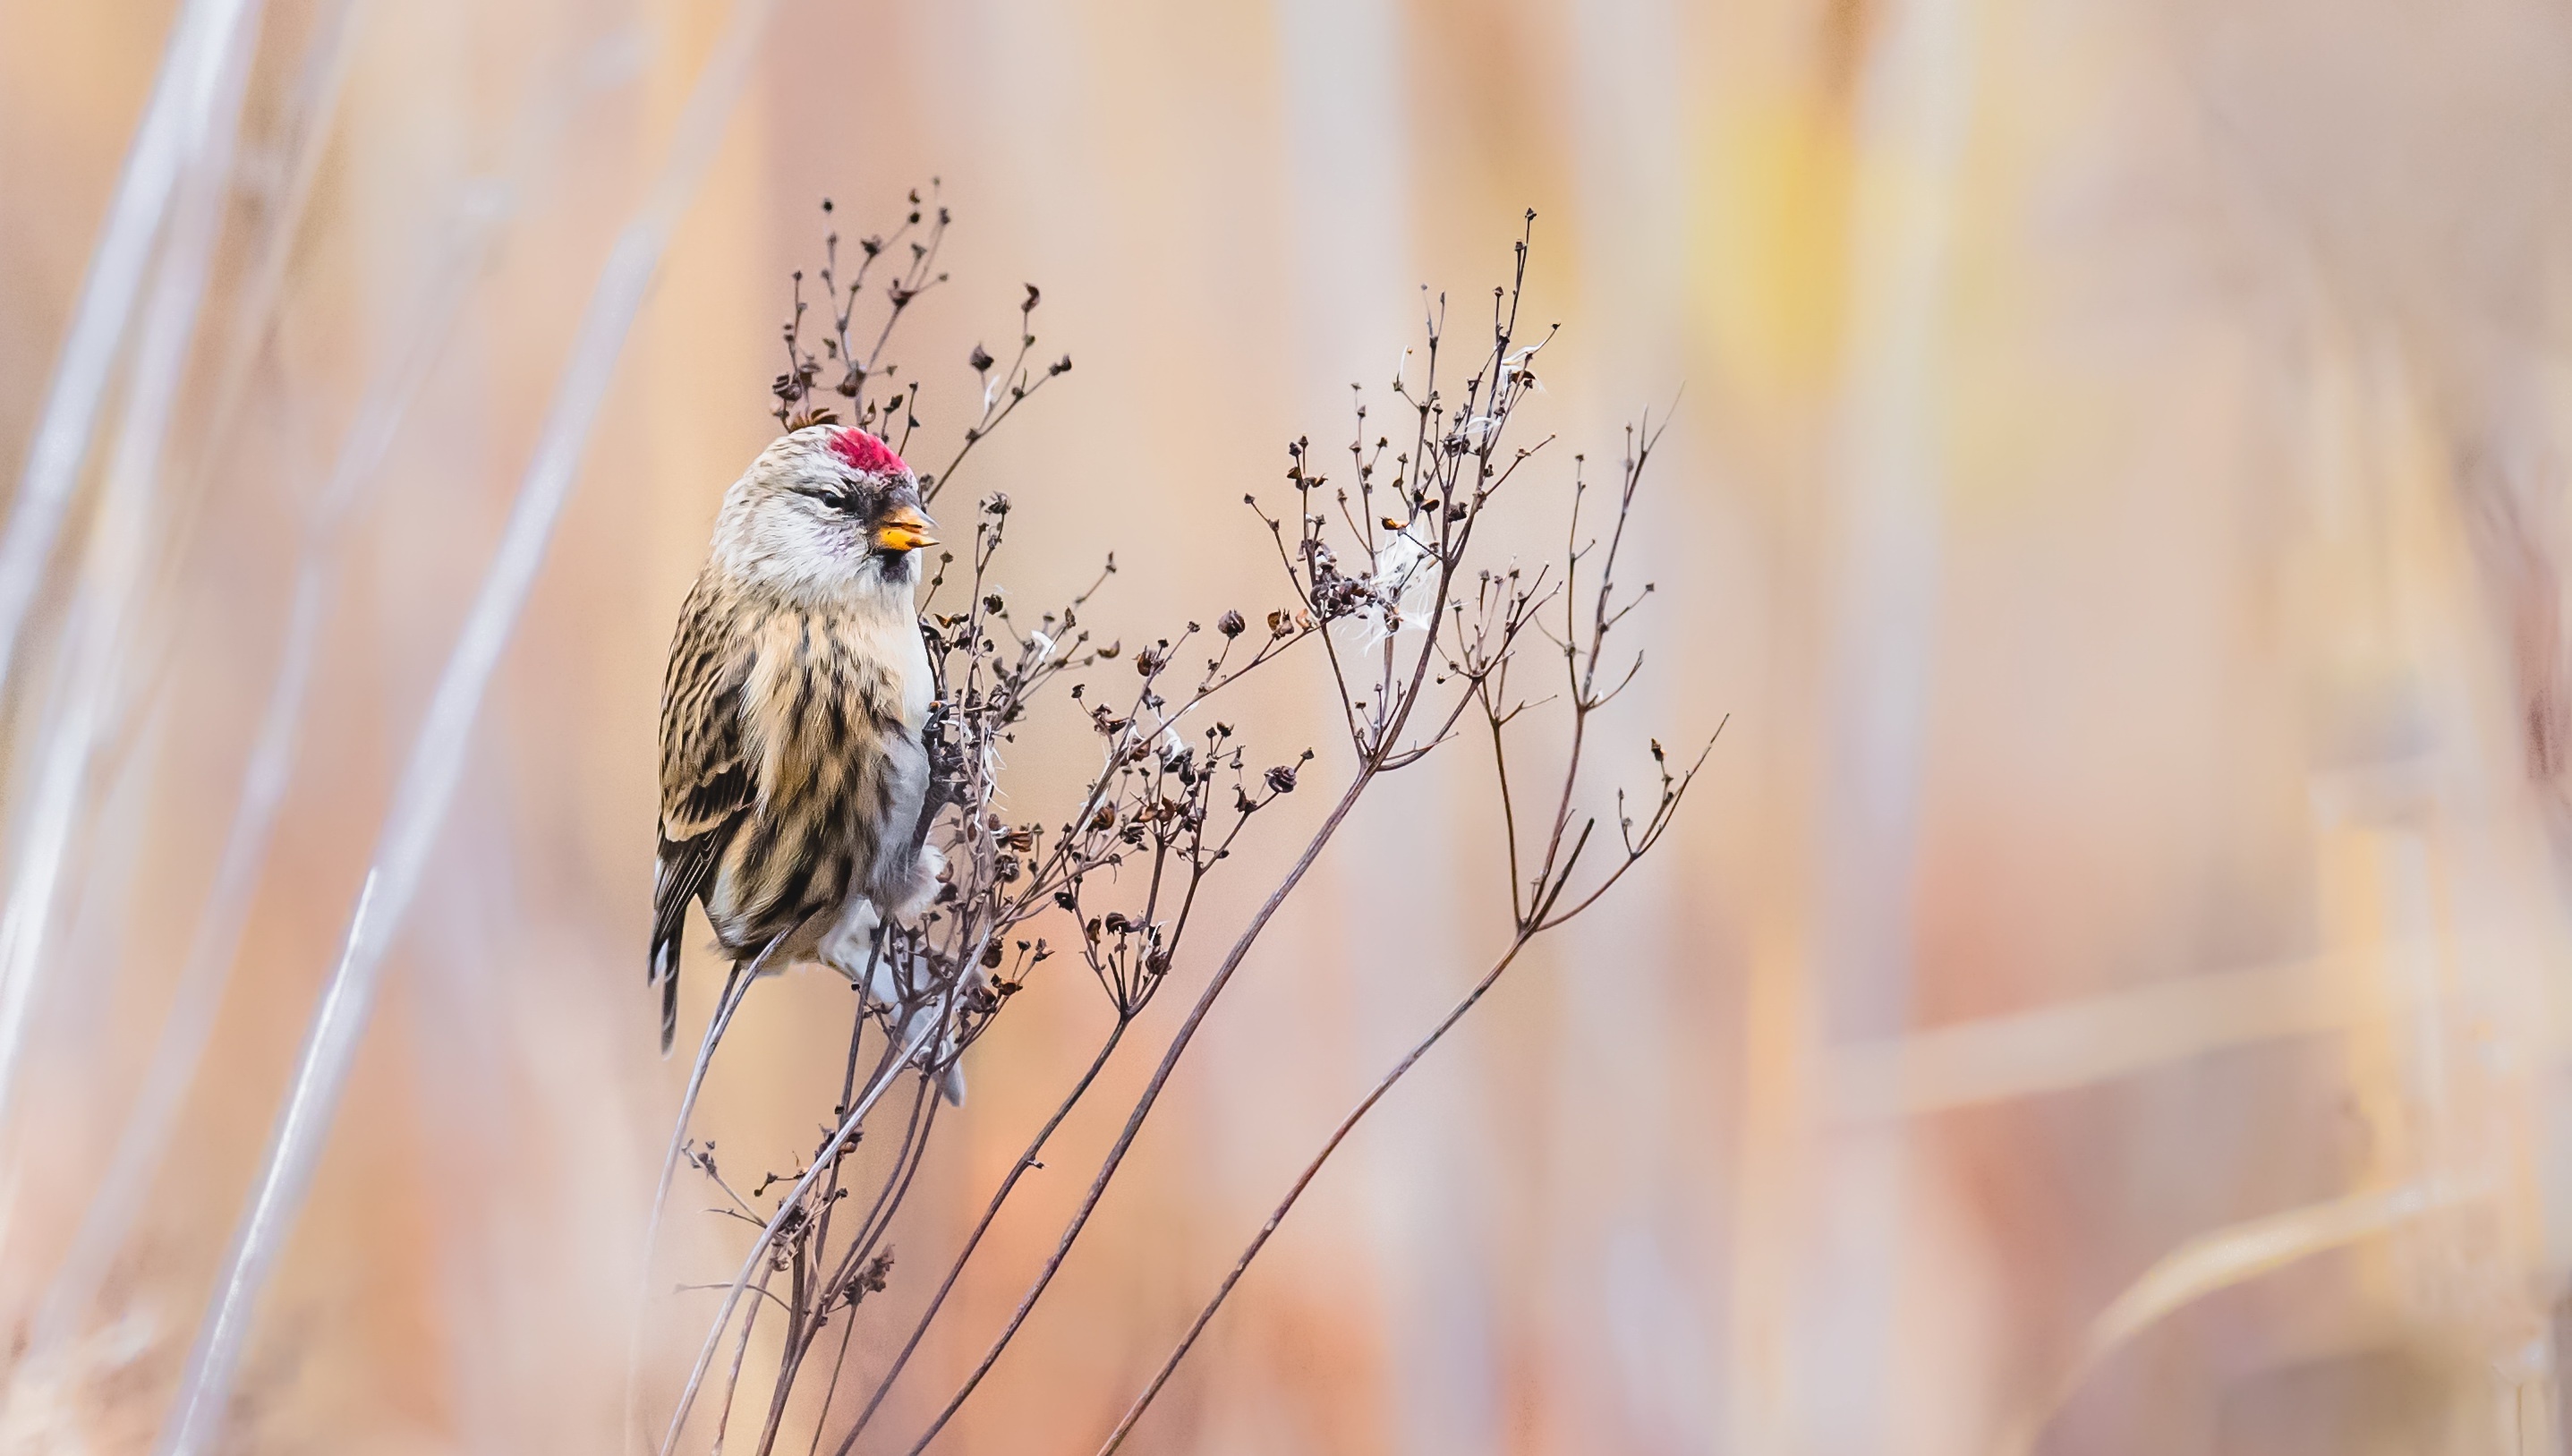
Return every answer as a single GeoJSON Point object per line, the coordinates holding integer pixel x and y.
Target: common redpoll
{"type": "Point", "coordinates": [792, 765]}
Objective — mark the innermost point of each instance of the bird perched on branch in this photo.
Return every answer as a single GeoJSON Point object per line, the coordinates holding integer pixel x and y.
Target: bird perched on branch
{"type": "Point", "coordinates": [793, 772]}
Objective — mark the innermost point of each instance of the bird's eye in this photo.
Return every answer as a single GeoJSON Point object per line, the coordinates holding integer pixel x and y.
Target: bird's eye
{"type": "Point", "coordinates": [841, 500]}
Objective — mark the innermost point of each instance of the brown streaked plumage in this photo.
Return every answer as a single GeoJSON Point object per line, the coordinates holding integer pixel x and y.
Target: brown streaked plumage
{"type": "Point", "coordinates": [791, 769]}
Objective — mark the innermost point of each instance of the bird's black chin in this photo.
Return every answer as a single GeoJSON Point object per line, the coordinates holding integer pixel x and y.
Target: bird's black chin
{"type": "Point", "coordinates": [899, 567]}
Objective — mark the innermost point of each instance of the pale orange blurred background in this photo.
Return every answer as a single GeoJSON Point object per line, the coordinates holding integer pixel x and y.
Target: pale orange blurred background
{"type": "Point", "coordinates": [2106, 995]}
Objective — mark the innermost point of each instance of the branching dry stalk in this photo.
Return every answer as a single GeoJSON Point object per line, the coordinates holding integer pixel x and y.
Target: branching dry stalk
{"type": "Point", "coordinates": [1502, 606]}
{"type": "Point", "coordinates": [1418, 637]}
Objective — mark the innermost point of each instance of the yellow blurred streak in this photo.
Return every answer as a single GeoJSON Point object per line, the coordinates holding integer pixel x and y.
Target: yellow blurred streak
{"type": "Point", "coordinates": [1770, 272]}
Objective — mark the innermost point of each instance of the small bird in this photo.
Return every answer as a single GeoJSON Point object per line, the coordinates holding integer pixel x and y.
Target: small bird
{"type": "Point", "coordinates": [793, 769]}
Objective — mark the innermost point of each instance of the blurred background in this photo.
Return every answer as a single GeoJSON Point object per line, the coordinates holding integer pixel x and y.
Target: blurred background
{"type": "Point", "coordinates": [2104, 997]}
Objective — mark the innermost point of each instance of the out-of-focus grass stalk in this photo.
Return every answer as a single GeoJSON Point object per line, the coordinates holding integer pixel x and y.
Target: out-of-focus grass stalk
{"type": "Point", "coordinates": [280, 174]}
{"type": "Point", "coordinates": [294, 160]}
{"type": "Point", "coordinates": [175, 122]}
{"type": "Point", "coordinates": [471, 232]}
{"type": "Point", "coordinates": [173, 1067]}
{"type": "Point", "coordinates": [265, 779]}
{"type": "Point", "coordinates": [85, 678]}
{"type": "Point", "coordinates": [437, 756]}
{"type": "Point", "coordinates": [294, 154]}
{"type": "Point", "coordinates": [300, 135]}
{"type": "Point", "coordinates": [1887, 483]}
{"type": "Point", "coordinates": [2222, 1257]}
{"type": "Point", "coordinates": [2094, 1039]}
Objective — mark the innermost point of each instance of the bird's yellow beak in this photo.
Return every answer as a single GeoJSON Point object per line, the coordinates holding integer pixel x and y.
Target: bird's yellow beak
{"type": "Point", "coordinates": [904, 529]}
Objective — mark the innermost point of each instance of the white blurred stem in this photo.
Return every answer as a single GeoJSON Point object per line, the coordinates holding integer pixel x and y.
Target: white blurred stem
{"type": "Point", "coordinates": [283, 185]}
{"type": "Point", "coordinates": [207, 37]}
{"type": "Point", "coordinates": [277, 177]}
{"type": "Point", "coordinates": [211, 949]}
{"type": "Point", "coordinates": [84, 682]}
{"type": "Point", "coordinates": [438, 755]}
{"type": "Point", "coordinates": [266, 777]}
{"type": "Point", "coordinates": [1839, 1395]}
{"type": "Point", "coordinates": [472, 231]}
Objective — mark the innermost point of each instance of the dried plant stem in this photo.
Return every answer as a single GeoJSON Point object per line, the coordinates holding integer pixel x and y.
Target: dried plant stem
{"type": "Point", "coordinates": [830, 1197]}
{"type": "Point", "coordinates": [813, 1286]}
{"type": "Point", "coordinates": [974, 1240]}
{"type": "Point", "coordinates": [1286, 1205]}
{"type": "Point", "coordinates": [1537, 904]}
{"type": "Point", "coordinates": [1453, 483]}
{"type": "Point", "coordinates": [1178, 1047]}
{"type": "Point", "coordinates": [838, 1363]}
{"type": "Point", "coordinates": [792, 1203]}
{"type": "Point", "coordinates": [740, 1353]}
{"type": "Point", "coordinates": [915, 1148]}
{"type": "Point", "coordinates": [736, 986]}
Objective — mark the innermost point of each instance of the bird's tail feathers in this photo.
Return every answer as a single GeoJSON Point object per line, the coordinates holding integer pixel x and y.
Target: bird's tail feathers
{"type": "Point", "coordinates": [665, 970]}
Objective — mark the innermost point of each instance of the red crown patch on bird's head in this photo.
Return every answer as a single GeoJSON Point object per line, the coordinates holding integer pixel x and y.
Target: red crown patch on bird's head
{"type": "Point", "coordinates": [863, 452]}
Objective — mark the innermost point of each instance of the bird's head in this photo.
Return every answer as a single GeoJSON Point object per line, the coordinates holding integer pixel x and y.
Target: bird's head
{"type": "Point", "coordinates": [825, 514]}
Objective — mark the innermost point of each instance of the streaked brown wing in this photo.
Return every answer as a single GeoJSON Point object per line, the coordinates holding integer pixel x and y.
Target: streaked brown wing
{"type": "Point", "coordinates": [706, 784]}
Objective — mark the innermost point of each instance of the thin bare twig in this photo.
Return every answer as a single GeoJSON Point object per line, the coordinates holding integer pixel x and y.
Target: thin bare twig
{"type": "Point", "coordinates": [974, 1240]}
